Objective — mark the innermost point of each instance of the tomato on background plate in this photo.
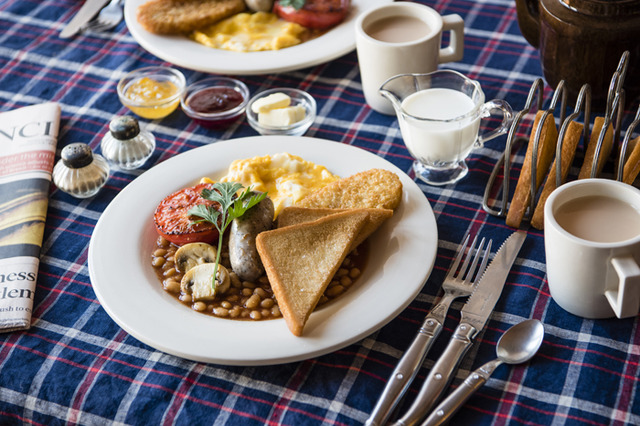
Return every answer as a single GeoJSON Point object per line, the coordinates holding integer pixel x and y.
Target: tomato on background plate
{"type": "Point", "coordinates": [314, 14]}
{"type": "Point", "coordinates": [174, 223]}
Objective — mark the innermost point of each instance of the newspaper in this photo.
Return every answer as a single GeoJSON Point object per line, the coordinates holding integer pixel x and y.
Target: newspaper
{"type": "Point", "coordinates": [28, 138]}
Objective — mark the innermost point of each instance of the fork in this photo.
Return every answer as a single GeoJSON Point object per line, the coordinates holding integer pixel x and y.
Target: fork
{"type": "Point", "coordinates": [108, 18]}
{"type": "Point", "coordinates": [457, 283]}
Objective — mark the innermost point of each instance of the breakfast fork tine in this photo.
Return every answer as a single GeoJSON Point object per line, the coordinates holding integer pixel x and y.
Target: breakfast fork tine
{"type": "Point", "coordinates": [459, 282]}
{"type": "Point", "coordinates": [108, 18]}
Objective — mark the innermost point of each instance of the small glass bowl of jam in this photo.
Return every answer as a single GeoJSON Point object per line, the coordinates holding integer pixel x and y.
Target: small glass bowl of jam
{"type": "Point", "coordinates": [215, 102]}
{"type": "Point", "coordinates": [281, 111]}
{"type": "Point", "coordinates": [152, 92]}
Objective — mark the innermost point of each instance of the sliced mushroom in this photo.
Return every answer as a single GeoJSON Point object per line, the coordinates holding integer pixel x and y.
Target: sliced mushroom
{"type": "Point", "coordinates": [194, 254]}
{"type": "Point", "coordinates": [198, 281]}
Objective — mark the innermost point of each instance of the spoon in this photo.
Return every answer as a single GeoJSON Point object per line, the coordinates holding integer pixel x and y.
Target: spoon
{"type": "Point", "coordinates": [517, 345]}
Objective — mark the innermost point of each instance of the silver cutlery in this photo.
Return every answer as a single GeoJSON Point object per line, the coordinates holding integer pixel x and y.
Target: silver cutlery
{"type": "Point", "coordinates": [517, 345]}
{"type": "Point", "coordinates": [108, 18]}
{"type": "Point", "coordinates": [473, 316]}
{"type": "Point", "coordinates": [84, 15]}
{"type": "Point", "coordinates": [457, 283]}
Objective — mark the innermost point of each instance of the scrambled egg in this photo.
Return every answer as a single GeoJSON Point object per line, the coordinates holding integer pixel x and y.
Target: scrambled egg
{"type": "Point", "coordinates": [286, 178]}
{"type": "Point", "coordinates": [251, 32]}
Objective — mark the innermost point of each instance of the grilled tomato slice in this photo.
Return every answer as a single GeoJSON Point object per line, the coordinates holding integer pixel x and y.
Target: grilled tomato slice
{"type": "Point", "coordinates": [314, 14]}
{"type": "Point", "coordinates": [175, 224]}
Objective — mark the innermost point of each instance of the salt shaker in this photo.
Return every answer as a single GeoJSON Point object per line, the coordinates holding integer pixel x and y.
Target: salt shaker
{"type": "Point", "coordinates": [125, 146]}
{"type": "Point", "coordinates": [80, 172]}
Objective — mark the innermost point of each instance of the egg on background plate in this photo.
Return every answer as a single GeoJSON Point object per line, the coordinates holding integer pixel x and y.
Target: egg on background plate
{"type": "Point", "coordinates": [246, 32]}
{"type": "Point", "coordinates": [286, 178]}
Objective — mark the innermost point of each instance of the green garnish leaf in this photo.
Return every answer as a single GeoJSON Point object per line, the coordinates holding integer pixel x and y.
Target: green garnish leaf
{"type": "Point", "coordinates": [297, 4]}
{"type": "Point", "coordinates": [231, 207]}
{"type": "Point", "coordinates": [207, 213]}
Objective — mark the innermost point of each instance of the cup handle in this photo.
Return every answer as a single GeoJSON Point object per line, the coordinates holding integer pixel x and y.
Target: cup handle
{"type": "Point", "coordinates": [625, 300]}
{"type": "Point", "coordinates": [455, 50]}
{"type": "Point", "coordinates": [507, 117]}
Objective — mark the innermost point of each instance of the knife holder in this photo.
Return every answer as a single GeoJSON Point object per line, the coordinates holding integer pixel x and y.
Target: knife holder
{"type": "Point", "coordinates": [495, 199]}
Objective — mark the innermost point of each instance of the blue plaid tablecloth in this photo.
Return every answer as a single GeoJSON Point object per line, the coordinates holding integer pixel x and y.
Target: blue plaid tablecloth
{"type": "Point", "coordinates": [77, 366]}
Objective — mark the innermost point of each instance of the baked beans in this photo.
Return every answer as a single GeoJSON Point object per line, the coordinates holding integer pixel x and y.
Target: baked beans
{"type": "Point", "coordinates": [245, 300]}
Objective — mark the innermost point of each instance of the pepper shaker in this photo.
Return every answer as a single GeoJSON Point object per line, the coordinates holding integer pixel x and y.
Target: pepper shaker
{"type": "Point", "coordinates": [125, 146]}
{"type": "Point", "coordinates": [80, 172]}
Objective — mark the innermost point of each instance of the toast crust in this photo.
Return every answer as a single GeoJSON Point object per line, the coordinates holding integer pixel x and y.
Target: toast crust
{"type": "Point", "coordinates": [632, 165]}
{"type": "Point", "coordinates": [605, 150]}
{"type": "Point", "coordinates": [294, 215]}
{"type": "Point", "coordinates": [546, 149]}
{"type": "Point", "coordinates": [569, 144]}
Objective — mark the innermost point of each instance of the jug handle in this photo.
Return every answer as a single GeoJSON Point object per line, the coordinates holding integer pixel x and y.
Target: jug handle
{"type": "Point", "coordinates": [529, 20]}
{"type": "Point", "coordinates": [507, 118]}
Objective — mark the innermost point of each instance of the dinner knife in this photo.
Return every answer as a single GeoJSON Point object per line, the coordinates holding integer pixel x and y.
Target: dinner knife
{"type": "Point", "coordinates": [473, 316]}
{"type": "Point", "coordinates": [84, 15]}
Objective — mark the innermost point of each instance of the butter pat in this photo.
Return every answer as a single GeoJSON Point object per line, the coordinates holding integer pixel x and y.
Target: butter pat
{"type": "Point", "coordinates": [282, 116]}
{"type": "Point", "coordinates": [271, 102]}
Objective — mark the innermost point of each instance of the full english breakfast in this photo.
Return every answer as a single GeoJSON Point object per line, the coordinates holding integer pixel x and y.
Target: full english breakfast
{"type": "Point", "coordinates": [271, 256]}
{"type": "Point", "coordinates": [243, 26]}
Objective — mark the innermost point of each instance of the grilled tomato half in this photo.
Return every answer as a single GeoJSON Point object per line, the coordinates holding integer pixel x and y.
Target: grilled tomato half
{"type": "Point", "coordinates": [175, 224]}
{"type": "Point", "coordinates": [314, 14]}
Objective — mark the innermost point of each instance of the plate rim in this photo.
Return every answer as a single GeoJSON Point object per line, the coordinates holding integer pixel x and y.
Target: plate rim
{"type": "Point", "coordinates": [307, 347]}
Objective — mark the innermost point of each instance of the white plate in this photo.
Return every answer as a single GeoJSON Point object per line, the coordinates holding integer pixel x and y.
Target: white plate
{"type": "Point", "coordinates": [402, 255]}
{"type": "Point", "coordinates": [183, 52]}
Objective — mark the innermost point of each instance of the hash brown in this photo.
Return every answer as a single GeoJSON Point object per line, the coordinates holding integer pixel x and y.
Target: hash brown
{"type": "Point", "coordinates": [182, 16]}
{"type": "Point", "coordinates": [371, 189]}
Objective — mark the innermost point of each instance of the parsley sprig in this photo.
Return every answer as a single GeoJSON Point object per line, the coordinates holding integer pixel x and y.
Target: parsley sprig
{"type": "Point", "coordinates": [231, 207]}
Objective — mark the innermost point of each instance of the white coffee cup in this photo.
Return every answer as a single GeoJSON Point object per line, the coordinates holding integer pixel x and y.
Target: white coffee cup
{"type": "Point", "coordinates": [399, 38]}
{"type": "Point", "coordinates": [592, 246]}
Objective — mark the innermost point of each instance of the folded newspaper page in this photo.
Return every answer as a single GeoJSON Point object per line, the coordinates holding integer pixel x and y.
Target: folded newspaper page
{"type": "Point", "coordinates": [28, 138]}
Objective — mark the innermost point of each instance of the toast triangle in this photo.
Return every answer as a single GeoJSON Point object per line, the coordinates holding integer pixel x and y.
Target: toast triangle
{"type": "Point", "coordinates": [300, 261]}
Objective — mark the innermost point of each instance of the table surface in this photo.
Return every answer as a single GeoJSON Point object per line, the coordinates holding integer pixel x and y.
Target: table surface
{"type": "Point", "coordinates": [76, 365]}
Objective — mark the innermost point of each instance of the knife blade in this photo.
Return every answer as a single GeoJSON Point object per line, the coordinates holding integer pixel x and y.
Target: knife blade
{"type": "Point", "coordinates": [473, 317]}
{"type": "Point", "coordinates": [84, 15]}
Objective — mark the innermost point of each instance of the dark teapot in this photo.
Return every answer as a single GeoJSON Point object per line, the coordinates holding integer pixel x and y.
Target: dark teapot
{"type": "Point", "coordinates": [581, 41]}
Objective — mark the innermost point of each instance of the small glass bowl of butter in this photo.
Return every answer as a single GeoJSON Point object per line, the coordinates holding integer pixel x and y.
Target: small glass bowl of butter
{"type": "Point", "coordinates": [281, 111]}
{"type": "Point", "coordinates": [152, 92]}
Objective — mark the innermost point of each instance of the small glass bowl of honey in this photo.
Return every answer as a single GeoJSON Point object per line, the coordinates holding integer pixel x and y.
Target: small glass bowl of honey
{"type": "Point", "coordinates": [152, 92]}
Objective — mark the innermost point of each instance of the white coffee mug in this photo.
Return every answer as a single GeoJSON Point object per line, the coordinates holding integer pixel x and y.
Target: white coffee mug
{"type": "Point", "coordinates": [400, 38]}
{"type": "Point", "coordinates": [592, 246]}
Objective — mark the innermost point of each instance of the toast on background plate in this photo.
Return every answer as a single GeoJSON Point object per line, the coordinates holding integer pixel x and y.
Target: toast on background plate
{"type": "Point", "coordinates": [300, 261]}
{"type": "Point", "coordinates": [294, 215]}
